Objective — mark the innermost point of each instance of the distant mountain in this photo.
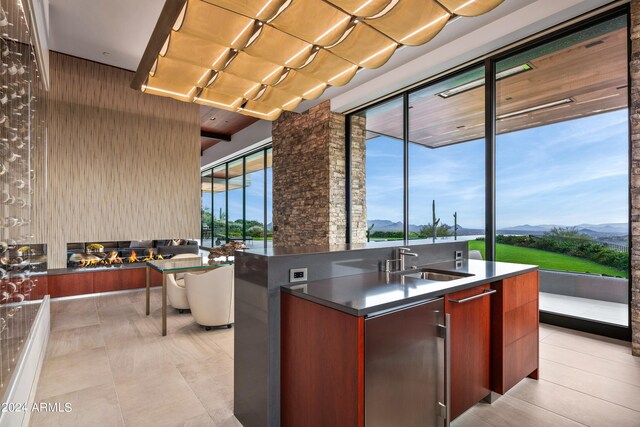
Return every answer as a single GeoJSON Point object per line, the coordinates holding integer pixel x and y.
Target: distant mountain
{"type": "Point", "coordinates": [593, 230]}
{"type": "Point", "coordinates": [386, 225]}
{"type": "Point", "coordinates": [611, 228]}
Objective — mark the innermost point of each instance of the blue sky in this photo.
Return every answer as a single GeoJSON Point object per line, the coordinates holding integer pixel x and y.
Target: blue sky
{"type": "Point", "coordinates": [566, 173]}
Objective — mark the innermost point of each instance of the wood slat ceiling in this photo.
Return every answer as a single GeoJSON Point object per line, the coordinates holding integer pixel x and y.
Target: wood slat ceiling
{"type": "Point", "coordinates": [222, 122]}
{"type": "Point", "coordinates": [592, 73]}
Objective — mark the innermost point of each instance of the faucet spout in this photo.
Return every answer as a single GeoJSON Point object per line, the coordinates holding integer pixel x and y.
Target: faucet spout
{"type": "Point", "coordinates": [402, 253]}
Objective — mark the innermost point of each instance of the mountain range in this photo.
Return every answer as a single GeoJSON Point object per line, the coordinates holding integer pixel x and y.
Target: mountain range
{"type": "Point", "coordinates": [594, 230]}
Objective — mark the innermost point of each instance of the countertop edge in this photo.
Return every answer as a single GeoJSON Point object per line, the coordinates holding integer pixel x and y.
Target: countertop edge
{"type": "Point", "coordinates": [405, 301]}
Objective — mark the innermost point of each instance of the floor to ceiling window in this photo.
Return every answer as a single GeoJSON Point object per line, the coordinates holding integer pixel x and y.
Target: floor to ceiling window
{"type": "Point", "coordinates": [384, 171]}
{"type": "Point", "coordinates": [236, 201]}
{"type": "Point", "coordinates": [446, 159]}
{"type": "Point", "coordinates": [562, 170]}
{"type": "Point", "coordinates": [561, 167]}
{"type": "Point", "coordinates": [206, 213]}
{"type": "Point", "coordinates": [219, 205]}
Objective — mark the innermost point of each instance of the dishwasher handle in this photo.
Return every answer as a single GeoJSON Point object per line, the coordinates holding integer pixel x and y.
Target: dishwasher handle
{"type": "Point", "coordinates": [484, 293]}
{"type": "Point", "coordinates": [445, 407]}
{"type": "Point", "coordinates": [447, 369]}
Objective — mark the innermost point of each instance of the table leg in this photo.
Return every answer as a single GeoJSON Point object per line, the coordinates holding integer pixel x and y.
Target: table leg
{"type": "Point", "coordinates": [164, 304]}
{"type": "Point", "coordinates": [148, 291]}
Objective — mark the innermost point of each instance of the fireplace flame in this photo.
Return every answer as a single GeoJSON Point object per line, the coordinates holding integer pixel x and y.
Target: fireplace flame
{"type": "Point", "coordinates": [111, 258]}
{"type": "Point", "coordinates": [133, 257]}
{"type": "Point", "coordinates": [150, 256]}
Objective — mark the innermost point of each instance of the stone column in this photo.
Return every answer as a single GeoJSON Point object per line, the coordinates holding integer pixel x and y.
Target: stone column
{"type": "Point", "coordinates": [309, 179]}
{"type": "Point", "coordinates": [634, 110]}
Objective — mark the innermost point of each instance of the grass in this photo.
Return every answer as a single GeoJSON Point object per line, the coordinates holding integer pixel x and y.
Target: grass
{"type": "Point", "coordinates": [546, 260]}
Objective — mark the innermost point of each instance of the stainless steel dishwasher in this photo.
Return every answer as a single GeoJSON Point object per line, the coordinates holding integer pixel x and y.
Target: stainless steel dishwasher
{"type": "Point", "coordinates": [406, 352]}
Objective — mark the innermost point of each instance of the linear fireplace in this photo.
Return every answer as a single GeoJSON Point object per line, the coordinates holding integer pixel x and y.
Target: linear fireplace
{"type": "Point", "coordinates": [129, 253]}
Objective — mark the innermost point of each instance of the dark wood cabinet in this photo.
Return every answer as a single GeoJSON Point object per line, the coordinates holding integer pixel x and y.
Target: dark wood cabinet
{"type": "Point", "coordinates": [328, 356]}
{"type": "Point", "coordinates": [88, 282]}
{"type": "Point", "coordinates": [514, 331]}
{"type": "Point", "coordinates": [470, 320]}
{"type": "Point", "coordinates": [322, 359]}
{"type": "Point", "coordinates": [64, 285]}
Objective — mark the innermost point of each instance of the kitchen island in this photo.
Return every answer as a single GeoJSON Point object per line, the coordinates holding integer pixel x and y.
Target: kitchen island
{"type": "Point", "coordinates": [415, 347]}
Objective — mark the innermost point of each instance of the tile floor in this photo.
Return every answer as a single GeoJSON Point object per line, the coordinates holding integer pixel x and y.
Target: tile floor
{"type": "Point", "coordinates": [108, 359]}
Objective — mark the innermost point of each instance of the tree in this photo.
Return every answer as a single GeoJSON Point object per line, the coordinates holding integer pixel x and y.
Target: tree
{"type": "Point", "coordinates": [567, 233]}
{"type": "Point", "coordinates": [256, 231]}
{"type": "Point", "coordinates": [443, 230]}
{"type": "Point", "coordinates": [369, 231]}
{"type": "Point", "coordinates": [207, 218]}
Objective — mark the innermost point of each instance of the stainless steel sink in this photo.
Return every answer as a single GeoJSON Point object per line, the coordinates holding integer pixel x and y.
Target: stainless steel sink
{"type": "Point", "coordinates": [437, 276]}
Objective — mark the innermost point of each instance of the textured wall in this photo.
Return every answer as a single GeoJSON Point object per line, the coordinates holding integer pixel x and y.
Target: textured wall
{"type": "Point", "coordinates": [635, 175]}
{"type": "Point", "coordinates": [121, 165]}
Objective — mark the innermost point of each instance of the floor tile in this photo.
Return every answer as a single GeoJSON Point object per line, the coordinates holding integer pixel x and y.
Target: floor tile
{"type": "Point", "coordinates": [172, 402]}
{"type": "Point", "coordinates": [64, 341]}
{"type": "Point", "coordinates": [597, 365]}
{"type": "Point", "coordinates": [211, 380]}
{"type": "Point", "coordinates": [93, 406]}
{"type": "Point", "coordinates": [138, 358]}
{"type": "Point", "coordinates": [74, 314]}
{"type": "Point", "coordinates": [608, 348]}
{"type": "Point", "coordinates": [575, 405]}
{"type": "Point", "coordinates": [512, 412]}
{"type": "Point", "coordinates": [599, 386]}
{"type": "Point", "coordinates": [74, 371]}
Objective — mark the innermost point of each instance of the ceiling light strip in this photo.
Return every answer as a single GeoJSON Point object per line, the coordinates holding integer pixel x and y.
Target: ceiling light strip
{"type": "Point", "coordinates": [535, 108]}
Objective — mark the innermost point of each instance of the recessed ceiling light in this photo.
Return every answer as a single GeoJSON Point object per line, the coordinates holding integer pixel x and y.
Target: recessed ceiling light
{"type": "Point", "coordinates": [535, 108]}
{"type": "Point", "coordinates": [212, 118]}
{"type": "Point", "coordinates": [480, 82]}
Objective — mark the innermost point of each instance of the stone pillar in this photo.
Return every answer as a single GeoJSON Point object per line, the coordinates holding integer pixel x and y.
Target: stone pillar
{"type": "Point", "coordinates": [309, 179]}
{"type": "Point", "coordinates": [634, 110]}
{"type": "Point", "coordinates": [358, 179]}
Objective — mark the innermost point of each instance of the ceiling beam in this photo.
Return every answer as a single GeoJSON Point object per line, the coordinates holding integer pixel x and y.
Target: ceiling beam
{"type": "Point", "coordinates": [168, 16]}
{"type": "Point", "coordinates": [214, 135]}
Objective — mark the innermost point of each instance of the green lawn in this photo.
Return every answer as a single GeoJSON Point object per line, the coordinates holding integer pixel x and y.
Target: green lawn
{"type": "Point", "coordinates": [546, 260]}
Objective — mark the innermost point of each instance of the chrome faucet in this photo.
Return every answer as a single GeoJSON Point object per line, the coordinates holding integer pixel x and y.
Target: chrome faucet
{"type": "Point", "coordinates": [402, 253]}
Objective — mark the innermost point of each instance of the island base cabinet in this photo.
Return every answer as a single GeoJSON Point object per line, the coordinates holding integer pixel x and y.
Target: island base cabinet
{"type": "Point", "coordinates": [322, 365]}
{"type": "Point", "coordinates": [514, 331]}
{"type": "Point", "coordinates": [386, 369]}
{"type": "Point", "coordinates": [470, 320]}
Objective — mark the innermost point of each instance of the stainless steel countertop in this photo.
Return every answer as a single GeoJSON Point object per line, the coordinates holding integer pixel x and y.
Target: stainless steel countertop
{"type": "Point", "coordinates": [366, 294]}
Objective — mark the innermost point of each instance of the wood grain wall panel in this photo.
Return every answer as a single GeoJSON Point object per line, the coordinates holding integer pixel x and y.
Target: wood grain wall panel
{"type": "Point", "coordinates": [121, 165]}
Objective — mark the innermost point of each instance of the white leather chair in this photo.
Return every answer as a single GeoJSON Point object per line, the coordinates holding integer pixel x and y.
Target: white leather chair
{"type": "Point", "coordinates": [475, 254]}
{"type": "Point", "coordinates": [176, 292]}
{"type": "Point", "coordinates": [210, 297]}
